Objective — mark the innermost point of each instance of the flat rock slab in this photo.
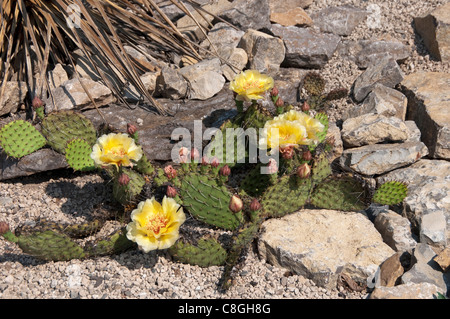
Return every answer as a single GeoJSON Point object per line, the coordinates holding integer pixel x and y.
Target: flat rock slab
{"type": "Point", "coordinates": [422, 290]}
{"type": "Point", "coordinates": [429, 106]}
{"type": "Point", "coordinates": [306, 47]}
{"type": "Point", "coordinates": [378, 159]}
{"type": "Point", "coordinates": [321, 244]}
{"type": "Point", "coordinates": [339, 20]}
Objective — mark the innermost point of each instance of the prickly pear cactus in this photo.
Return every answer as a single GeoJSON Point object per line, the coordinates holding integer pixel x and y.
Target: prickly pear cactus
{"type": "Point", "coordinates": [78, 155]}
{"type": "Point", "coordinates": [206, 252]}
{"type": "Point", "coordinates": [60, 127]}
{"type": "Point", "coordinates": [390, 193]}
{"type": "Point", "coordinates": [19, 138]}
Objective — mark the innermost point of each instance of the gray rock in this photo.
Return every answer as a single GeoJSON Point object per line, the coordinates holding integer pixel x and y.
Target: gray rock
{"type": "Point", "coordinates": [321, 244]}
{"type": "Point", "coordinates": [381, 158]}
{"type": "Point", "coordinates": [381, 100]}
{"type": "Point", "coordinates": [40, 161]}
{"type": "Point", "coordinates": [339, 20]}
{"type": "Point", "coordinates": [434, 28]}
{"type": "Point", "coordinates": [371, 128]}
{"type": "Point", "coordinates": [170, 84]}
{"type": "Point", "coordinates": [386, 72]}
{"type": "Point", "coordinates": [306, 47]}
{"type": "Point", "coordinates": [57, 76]}
{"type": "Point", "coordinates": [72, 95]}
{"type": "Point", "coordinates": [283, 5]}
{"type": "Point", "coordinates": [428, 104]}
{"type": "Point", "coordinates": [14, 95]}
{"type": "Point", "coordinates": [428, 189]}
{"type": "Point", "coordinates": [372, 51]}
{"type": "Point", "coordinates": [148, 80]}
{"type": "Point", "coordinates": [414, 132]}
{"type": "Point", "coordinates": [236, 59]}
{"type": "Point", "coordinates": [248, 14]}
{"type": "Point", "coordinates": [426, 269]}
{"type": "Point", "coordinates": [204, 78]}
{"type": "Point", "coordinates": [433, 229]}
{"type": "Point", "coordinates": [395, 230]}
{"type": "Point", "coordinates": [407, 291]}
{"type": "Point", "coordinates": [265, 52]}
{"type": "Point", "coordinates": [222, 36]}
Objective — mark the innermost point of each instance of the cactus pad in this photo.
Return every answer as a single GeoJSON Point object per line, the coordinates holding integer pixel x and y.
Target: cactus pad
{"type": "Point", "coordinates": [126, 194]}
{"type": "Point", "coordinates": [390, 193]}
{"type": "Point", "coordinates": [207, 252]}
{"type": "Point", "coordinates": [116, 243]}
{"type": "Point", "coordinates": [78, 155]}
{"type": "Point", "coordinates": [19, 138]}
{"type": "Point", "coordinates": [208, 202]}
{"type": "Point", "coordinates": [289, 194]}
{"type": "Point", "coordinates": [60, 127]}
{"type": "Point", "coordinates": [313, 83]}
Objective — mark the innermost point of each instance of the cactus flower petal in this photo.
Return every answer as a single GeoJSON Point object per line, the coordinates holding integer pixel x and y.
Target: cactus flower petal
{"type": "Point", "coordinates": [251, 85]}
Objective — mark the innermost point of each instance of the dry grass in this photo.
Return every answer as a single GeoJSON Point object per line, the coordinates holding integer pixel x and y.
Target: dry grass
{"type": "Point", "coordinates": [36, 34]}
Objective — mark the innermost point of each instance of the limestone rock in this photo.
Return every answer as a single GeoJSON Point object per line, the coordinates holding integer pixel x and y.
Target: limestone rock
{"type": "Point", "coordinates": [381, 100]}
{"type": "Point", "coordinates": [170, 84]}
{"type": "Point", "coordinates": [148, 80]}
{"type": "Point", "coordinates": [236, 59]}
{"type": "Point", "coordinates": [283, 5]}
{"type": "Point", "coordinates": [428, 189]}
{"type": "Point", "coordinates": [321, 244]}
{"type": "Point", "coordinates": [381, 158]}
{"type": "Point", "coordinates": [434, 28]}
{"type": "Point", "coordinates": [57, 76]}
{"type": "Point", "coordinates": [372, 51]}
{"type": "Point", "coordinates": [443, 259]}
{"type": "Point", "coordinates": [425, 269]}
{"type": "Point", "coordinates": [370, 129]}
{"type": "Point", "coordinates": [14, 95]}
{"type": "Point", "coordinates": [265, 52]}
{"type": "Point", "coordinates": [248, 14]}
{"type": "Point", "coordinates": [428, 104]}
{"type": "Point", "coordinates": [339, 20]}
{"type": "Point", "coordinates": [395, 230]}
{"type": "Point", "coordinates": [406, 291]}
{"type": "Point", "coordinates": [306, 47]}
{"type": "Point", "coordinates": [204, 79]}
{"type": "Point", "coordinates": [296, 17]}
{"type": "Point", "coordinates": [42, 160]}
{"type": "Point", "coordinates": [335, 134]}
{"type": "Point", "coordinates": [433, 228]}
{"type": "Point", "coordinates": [386, 72]}
{"type": "Point", "coordinates": [390, 271]}
{"type": "Point", "coordinates": [222, 36]}
{"type": "Point", "coordinates": [71, 95]}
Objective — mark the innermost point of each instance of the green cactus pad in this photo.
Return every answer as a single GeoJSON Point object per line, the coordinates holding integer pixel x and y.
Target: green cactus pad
{"type": "Point", "coordinates": [19, 138]}
{"type": "Point", "coordinates": [286, 196]}
{"type": "Point", "coordinates": [116, 243]}
{"type": "Point", "coordinates": [144, 165]}
{"type": "Point", "coordinates": [207, 252]}
{"type": "Point", "coordinates": [343, 193]}
{"type": "Point", "coordinates": [255, 183]}
{"type": "Point", "coordinates": [60, 127]}
{"type": "Point", "coordinates": [126, 194]}
{"type": "Point", "coordinates": [322, 118]}
{"type": "Point", "coordinates": [256, 117]}
{"type": "Point", "coordinates": [390, 193]}
{"type": "Point", "coordinates": [208, 202]}
{"type": "Point", "coordinates": [50, 245]}
{"type": "Point", "coordinates": [320, 168]}
{"type": "Point", "coordinates": [78, 155]}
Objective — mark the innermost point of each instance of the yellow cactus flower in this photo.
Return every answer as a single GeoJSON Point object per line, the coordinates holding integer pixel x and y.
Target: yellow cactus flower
{"type": "Point", "coordinates": [312, 125]}
{"type": "Point", "coordinates": [116, 149]}
{"type": "Point", "coordinates": [154, 225]}
{"type": "Point", "coordinates": [282, 133]}
{"type": "Point", "coordinates": [251, 85]}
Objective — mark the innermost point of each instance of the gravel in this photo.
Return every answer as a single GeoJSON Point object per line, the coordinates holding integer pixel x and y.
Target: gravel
{"type": "Point", "coordinates": [66, 197]}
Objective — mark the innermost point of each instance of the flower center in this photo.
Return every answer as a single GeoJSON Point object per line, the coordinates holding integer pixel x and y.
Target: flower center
{"type": "Point", "coordinates": [118, 151]}
{"type": "Point", "coordinates": [252, 84]}
{"type": "Point", "coordinates": [156, 223]}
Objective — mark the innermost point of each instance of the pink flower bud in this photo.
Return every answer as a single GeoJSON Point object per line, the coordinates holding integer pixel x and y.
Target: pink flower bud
{"type": "Point", "coordinates": [225, 170]}
{"type": "Point", "coordinates": [131, 129]}
{"type": "Point", "coordinates": [205, 160]}
{"type": "Point", "coordinates": [195, 155]}
{"type": "Point", "coordinates": [307, 155]}
{"type": "Point", "coordinates": [305, 107]}
{"type": "Point", "coordinates": [279, 102]}
{"type": "Point", "coordinates": [274, 91]}
{"type": "Point", "coordinates": [123, 179]}
{"type": "Point", "coordinates": [215, 162]}
{"type": "Point", "coordinates": [287, 152]}
{"type": "Point", "coordinates": [235, 204]}
{"type": "Point", "coordinates": [304, 171]}
{"type": "Point", "coordinates": [170, 171]}
{"type": "Point", "coordinates": [272, 167]}
{"type": "Point", "coordinates": [37, 102]}
{"type": "Point", "coordinates": [255, 205]}
{"type": "Point", "coordinates": [183, 155]}
{"type": "Point", "coordinates": [171, 192]}
{"type": "Point", "coordinates": [4, 228]}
